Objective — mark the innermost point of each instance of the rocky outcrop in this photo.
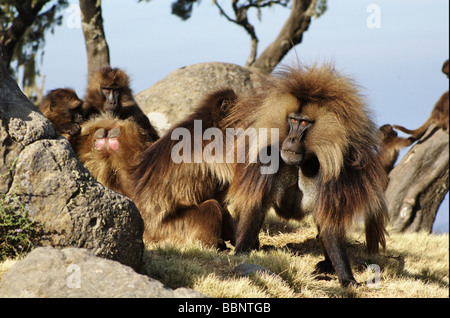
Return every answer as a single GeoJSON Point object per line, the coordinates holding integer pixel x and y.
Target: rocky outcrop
{"type": "Point", "coordinates": [76, 273]}
{"type": "Point", "coordinates": [39, 168]}
{"type": "Point", "coordinates": [172, 98]}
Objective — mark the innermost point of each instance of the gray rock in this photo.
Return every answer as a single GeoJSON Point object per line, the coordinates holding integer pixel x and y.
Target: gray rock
{"type": "Point", "coordinates": [72, 272]}
{"type": "Point", "coordinates": [172, 98]}
{"type": "Point", "coordinates": [40, 169]}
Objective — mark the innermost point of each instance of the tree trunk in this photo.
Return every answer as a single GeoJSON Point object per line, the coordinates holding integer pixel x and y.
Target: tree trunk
{"type": "Point", "coordinates": [290, 35]}
{"type": "Point", "coordinates": [9, 38]}
{"type": "Point", "coordinates": [94, 35]}
{"type": "Point", "coordinates": [419, 183]}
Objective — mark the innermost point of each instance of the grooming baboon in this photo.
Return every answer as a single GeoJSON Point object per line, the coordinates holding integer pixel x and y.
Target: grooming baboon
{"type": "Point", "coordinates": [184, 200]}
{"type": "Point", "coordinates": [109, 147]}
{"type": "Point", "coordinates": [329, 153]}
{"type": "Point", "coordinates": [178, 201]}
{"type": "Point", "coordinates": [439, 114]}
{"type": "Point", "coordinates": [390, 145]}
{"type": "Point", "coordinates": [63, 108]}
{"type": "Point", "coordinates": [109, 91]}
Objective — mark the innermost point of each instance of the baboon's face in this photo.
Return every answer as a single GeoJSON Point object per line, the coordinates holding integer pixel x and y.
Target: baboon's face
{"type": "Point", "coordinates": [293, 148]}
{"type": "Point", "coordinates": [112, 98]}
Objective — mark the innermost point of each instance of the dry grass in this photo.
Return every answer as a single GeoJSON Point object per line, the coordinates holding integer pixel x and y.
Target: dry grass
{"type": "Point", "coordinates": [6, 265]}
{"type": "Point", "coordinates": [413, 265]}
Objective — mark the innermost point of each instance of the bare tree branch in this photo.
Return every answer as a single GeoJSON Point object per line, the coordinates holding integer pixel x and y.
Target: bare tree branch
{"type": "Point", "coordinates": [222, 11]}
{"type": "Point", "coordinates": [419, 183]}
{"type": "Point", "coordinates": [240, 12]}
{"type": "Point", "coordinates": [290, 35]}
{"type": "Point", "coordinates": [27, 13]}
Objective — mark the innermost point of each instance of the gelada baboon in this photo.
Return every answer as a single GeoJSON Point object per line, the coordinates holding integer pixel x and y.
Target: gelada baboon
{"type": "Point", "coordinates": [63, 108]}
{"type": "Point", "coordinates": [178, 200]}
{"type": "Point", "coordinates": [109, 91]}
{"type": "Point", "coordinates": [183, 199]}
{"type": "Point", "coordinates": [329, 164]}
{"type": "Point", "coordinates": [439, 114]}
{"type": "Point", "coordinates": [108, 147]}
{"type": "Point", "coordinates": [390, 145]}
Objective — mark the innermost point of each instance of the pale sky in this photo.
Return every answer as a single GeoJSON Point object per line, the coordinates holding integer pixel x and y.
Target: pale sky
{"type": "Point", "coordinates": [397, 61]}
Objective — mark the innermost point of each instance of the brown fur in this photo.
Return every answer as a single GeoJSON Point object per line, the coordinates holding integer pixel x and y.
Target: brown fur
{"type": "Point", "coordinates": [63, 108]}
{"type": "Point", "coordinates": [178, 201]}
{"type": "Point", "coordinates": [184, 201]}
{"type": "Point", "coordinates": [390, 146]}
{"type": "Point", "coordinates": [127, 108]}
{"type": "Point", "coordinates": [345, 177]}
{"type": "Point", "coordinates": [111, 167]}
{"type": "Point", "coordinates": [439, 116]}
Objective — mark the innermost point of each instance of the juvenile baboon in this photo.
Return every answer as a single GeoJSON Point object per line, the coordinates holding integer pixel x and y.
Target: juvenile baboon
{"type": "Point", "coordinates": [439, 115]}
{"type": "Point", "coordinates": [63, 108]}
{"type": "Point", "coordinates": [109, 91]}
{"type": "Point", "coordinates": [178, 201]}
{"type": "Point", "coordinates": [328, 150]}
{"type": "Point", "coordinates": [390, 145]}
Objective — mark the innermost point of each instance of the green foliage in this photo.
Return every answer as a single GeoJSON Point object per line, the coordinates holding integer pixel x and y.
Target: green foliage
{"type": "Point", "coordinates": [23, 25]}
{"type": "Point", "coordinates": [183, 8]}
{"type": "Point", "coordinates": [321, 7]}
{"type": "Point", "coordinates": [17, 232]}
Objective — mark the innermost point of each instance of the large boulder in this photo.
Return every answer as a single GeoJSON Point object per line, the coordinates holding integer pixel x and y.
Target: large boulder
{"type": "Point", "coordinates": [172, 98]}
{"type": "Point", "coordinates": [75, 273]}
{"type": "Point", "coordinates": [39, 169]}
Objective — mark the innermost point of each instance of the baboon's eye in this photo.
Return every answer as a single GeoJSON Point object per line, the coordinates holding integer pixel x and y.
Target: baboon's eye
{"type": "Point", "coordinates": [301, 122]}
{"type": "Point", "coordinates": [304, 123]}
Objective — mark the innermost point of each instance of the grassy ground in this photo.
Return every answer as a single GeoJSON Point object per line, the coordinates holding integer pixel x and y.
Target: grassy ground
{"type": "Point", "coordinates": [413, 265]}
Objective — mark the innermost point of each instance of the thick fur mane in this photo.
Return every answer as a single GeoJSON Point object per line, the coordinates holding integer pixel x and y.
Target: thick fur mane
{"type": "Point", "coordinates": [343, 138]}
{"type": "Point", "coordinates": [291, 88]}
{"type": "Point", "coordinates": [335, 99]}
{"type": "Point", "coordinates": [326, 87]}
{"type": "Point", "coordinates": [346, 145]}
